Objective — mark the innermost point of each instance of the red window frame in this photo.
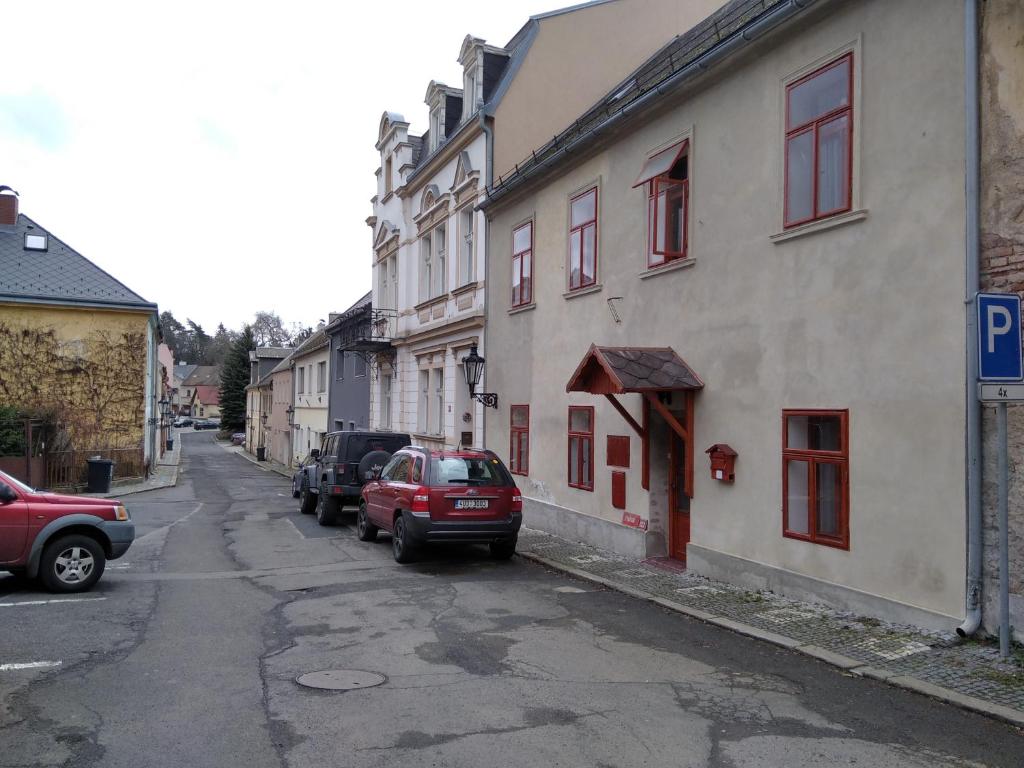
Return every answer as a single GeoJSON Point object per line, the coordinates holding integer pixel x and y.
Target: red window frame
{"type": "Point", "coordinates": [654, 227]}
{"type": "Point", "coordinates": [813, 458]}
{"type": "Point", "coordinates": [579, 436]}
{"type": "Point", "coordinates": [525, 276]}
{"type": "Point", "coordinates": [813, 126]}
{"type": "Point", "coordinates": [519, 459]}
{"type": "Point", "coordinates": [579, 231]}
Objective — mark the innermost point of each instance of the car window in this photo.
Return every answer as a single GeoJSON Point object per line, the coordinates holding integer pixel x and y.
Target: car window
{"type": "Point", "coordinates": [360, 445]}
{"type": "Point", "coordinates": [401, 470]}
{"type": "Point", "coordinates": [388, 472]}
{"type": "Point", "coordinates": [8, 480]}
{"type": "Point", "coordinates": [462, 470]}
{"type": "Point", "coordinates": [417, 471]}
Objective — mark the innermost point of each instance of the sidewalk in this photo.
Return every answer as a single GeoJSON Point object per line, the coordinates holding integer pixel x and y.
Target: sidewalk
{"type": "Point", "coordinates": [269, 465]}
{"type": "Point", "coordinates": [969, 674]}
{"type": "Point", "coordinates": [165, 475]}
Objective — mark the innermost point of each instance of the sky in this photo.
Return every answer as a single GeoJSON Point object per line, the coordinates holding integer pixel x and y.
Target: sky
{"type": "Point", "coordinates": [218, 157]}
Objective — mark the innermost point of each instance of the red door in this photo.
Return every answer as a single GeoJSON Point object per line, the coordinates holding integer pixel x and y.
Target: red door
{"type": "Point", "coordinates": [679, 501]}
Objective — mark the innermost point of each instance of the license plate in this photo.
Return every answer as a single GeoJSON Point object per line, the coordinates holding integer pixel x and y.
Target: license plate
{"type": "Point", "coordinates": [471, 503]}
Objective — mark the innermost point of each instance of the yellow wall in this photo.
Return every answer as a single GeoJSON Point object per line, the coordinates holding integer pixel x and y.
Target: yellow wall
{"type": "Point", "coordinates": [84, 367]}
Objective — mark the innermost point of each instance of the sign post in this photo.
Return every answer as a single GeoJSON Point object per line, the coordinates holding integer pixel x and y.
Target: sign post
{"type": "Point", "coordinates": [1000, 359]}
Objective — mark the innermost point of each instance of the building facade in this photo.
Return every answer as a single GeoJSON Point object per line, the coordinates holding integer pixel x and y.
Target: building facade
{"type": "Point", "coordinates": [739, 340]}
{"type": "Point", "coordinates": [349, 370]}
{"type": "Point", "coordinates": [310, 363]}
{"type": "Point", "coordinates": [279, 424]}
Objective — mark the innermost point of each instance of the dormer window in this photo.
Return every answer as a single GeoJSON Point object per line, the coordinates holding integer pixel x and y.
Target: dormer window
{"type": "Point", "coordinates": [387, 176]}
{"type": "Point", "coordinates": [469, 94]}
{"type": "Point", "coordinates": [436, 128]}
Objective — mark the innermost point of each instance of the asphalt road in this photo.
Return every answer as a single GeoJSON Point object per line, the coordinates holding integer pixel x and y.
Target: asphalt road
{"type": "Point", "coordinates": [187, 651]}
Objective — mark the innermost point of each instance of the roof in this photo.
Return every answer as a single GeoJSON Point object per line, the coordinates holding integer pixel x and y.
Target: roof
{"type": "Point", "coordinates": [275, 353]}
{"type": "Point", "coordinates": [355, 310]}
{"type": "Point", "coordinates": [616, 370]}
{"type": "Point", "coordinates": [207, 394]}
{"type": "Point", "coordinates": [685, 56]}
{"type": "Point", "coordinates": [183, 370]}
{"type": "Point", "coordinates": [203, 375]}
{"type": "Point", "coordinates": [312, 344]}
{"type": "Point", "coordinates": [284, 365]}
{"type": "Point", "coordinates": [60, 274]}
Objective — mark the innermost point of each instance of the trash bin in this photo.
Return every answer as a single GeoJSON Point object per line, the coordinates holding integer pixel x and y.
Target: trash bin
{"type": "Point", "coordinates": [170, 443]}
{"type": "Point", "coordinates": [101, 473]}
{"type": "Point", "coordinates": [261, 453]}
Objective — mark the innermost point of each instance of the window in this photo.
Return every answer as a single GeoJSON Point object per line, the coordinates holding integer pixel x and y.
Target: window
{"type": "Point", "coordinates": [819, 143]}
{"type": "Point", "coordinates": [469, 94]}
{"type": "Point", "coordinates": [359, 366]}
{"type": "Point", "coordinates": [667, 202]}
{"type": "Point", "coordinates": [440, 271]}
{"type": "Point", "coordinates": [437, 418]}
{"type": "Point", "coordinates": [522, 265]}
{"type": "Point", "coordinates": [424, 409]}
{"type": "Point", "coordinates": [519, 449]}
{"type": "Point", "coordinates": [321, 376]}
{"type": "Point", "coordinates": [426, 262]}
{"type": "Point", "coordinates": [301, 386]}
{"type": "Point", "coordinates": [436, 129]}
{"type": "Point", "coordinates": [815, 477]}
{"type": "Point", "coordinates": [393, 281]}
{"type": "Point", "coordinates": [583, 240]}
{"type": "Point", "coordinates": [385, 402]}
{"type": "Point", "coordinates": [466, 251]}
{"type": "Point", "coordinates": [581, 447]}
{"type": "Point", "coordinates": [340, 363]}
{"type": "Point", "coordinates": [387, 176]}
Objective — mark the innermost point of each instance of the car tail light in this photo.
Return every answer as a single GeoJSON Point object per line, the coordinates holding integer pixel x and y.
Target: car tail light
{"type": "Point", "coordinates": [337, 490]}
{"type": "Point", "coordinates": [517, 503]}
{"type": "Point", "coordinates": [421, 500]}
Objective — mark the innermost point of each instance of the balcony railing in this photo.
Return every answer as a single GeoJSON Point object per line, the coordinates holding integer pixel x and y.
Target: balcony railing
{"type": "Point", "coordinates": [370, 333]}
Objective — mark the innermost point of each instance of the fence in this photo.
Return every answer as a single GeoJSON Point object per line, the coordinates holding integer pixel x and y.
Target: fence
{"type": "Point", "coordinates": [22, 447]}
{"type": "Point", "coordinates": [66, 468]}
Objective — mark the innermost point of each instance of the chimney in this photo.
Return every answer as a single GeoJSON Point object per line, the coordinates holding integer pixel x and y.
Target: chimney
{"type": "Point", "coordinates": [8, 207]}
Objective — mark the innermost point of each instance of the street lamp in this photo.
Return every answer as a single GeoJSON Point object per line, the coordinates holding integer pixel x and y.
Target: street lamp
{"type": "Point", "coordinates": [473, 367]}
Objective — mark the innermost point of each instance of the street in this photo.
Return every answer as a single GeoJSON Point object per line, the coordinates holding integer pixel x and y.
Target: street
{"type": "Point", "coordinates": [187, 653]}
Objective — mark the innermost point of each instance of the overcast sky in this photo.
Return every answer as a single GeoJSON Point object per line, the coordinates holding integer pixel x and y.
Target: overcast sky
{"type": "Point", "coordinates": [217, 157]}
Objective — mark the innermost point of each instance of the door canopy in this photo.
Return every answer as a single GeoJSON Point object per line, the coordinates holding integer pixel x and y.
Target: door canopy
{"type": "Point", "coordinates": [618, 370]}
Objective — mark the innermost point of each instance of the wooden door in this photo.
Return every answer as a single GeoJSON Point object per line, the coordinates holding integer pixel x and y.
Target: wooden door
{"type": "Point", "coordinates": [679, 501]}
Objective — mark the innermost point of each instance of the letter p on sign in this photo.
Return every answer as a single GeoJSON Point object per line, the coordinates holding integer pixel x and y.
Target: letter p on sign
{"type": "Point", "coordinates": [999, 337]}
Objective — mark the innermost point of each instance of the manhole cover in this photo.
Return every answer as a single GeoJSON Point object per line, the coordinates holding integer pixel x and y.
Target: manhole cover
{"type": "Point", "coordinates": [340, 679]}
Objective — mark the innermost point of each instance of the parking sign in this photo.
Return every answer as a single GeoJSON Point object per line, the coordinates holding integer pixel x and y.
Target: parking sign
{"type": "Point", "coordinates": [999, 337]}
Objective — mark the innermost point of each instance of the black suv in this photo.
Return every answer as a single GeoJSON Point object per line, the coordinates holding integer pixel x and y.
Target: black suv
{"type": "Point", "coordinates": [341, 467]}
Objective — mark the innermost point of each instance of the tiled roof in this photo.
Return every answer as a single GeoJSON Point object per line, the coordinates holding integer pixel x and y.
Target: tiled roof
{"type": "Point", "coordinates": [183, 370]}
{"type": "Point", "coordinates": [59, 274]}
{"type": "Point", "coordinates": [203, 375]}
{"type": "Point", "coordinates": [270, 352]}
{"type": "Point", "coordinates": [733, 20]}
{"type": "Point", "coordinates": [312, 344]}
{"type": "Point", "coordinates": [208, 395]}
{"type": "Point", "coordinates": [634, 369]}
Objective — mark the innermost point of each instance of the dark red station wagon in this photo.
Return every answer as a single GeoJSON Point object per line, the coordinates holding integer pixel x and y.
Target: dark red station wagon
{"type": "Point", "coordinates": [423, 496]}
{"type": "Point", "coordinates": [66, 541]}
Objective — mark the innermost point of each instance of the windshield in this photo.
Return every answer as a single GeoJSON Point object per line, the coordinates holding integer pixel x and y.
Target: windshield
{"type": "Point", "coordinates": [460, 470]}
{"type": "Point", "coordinates": [4, 477]}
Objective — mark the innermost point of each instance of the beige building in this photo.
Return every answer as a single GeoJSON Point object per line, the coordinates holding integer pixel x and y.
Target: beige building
{"type": "Point", "coordinates": [754, 242]}
{"type": "Point", "coordinates": [279, 423]}
{"type": "Point", "coordinates": [310, 380]}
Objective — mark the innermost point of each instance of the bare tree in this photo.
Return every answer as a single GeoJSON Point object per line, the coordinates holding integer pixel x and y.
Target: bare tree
{"type": "Point", "coordinates": [268, 330]}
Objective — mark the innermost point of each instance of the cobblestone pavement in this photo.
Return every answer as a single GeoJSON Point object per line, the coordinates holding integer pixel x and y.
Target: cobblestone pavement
{"type": "Point", "coordinates": [968, 673]}
{"type": "Point", "coordinates": [164, 475]}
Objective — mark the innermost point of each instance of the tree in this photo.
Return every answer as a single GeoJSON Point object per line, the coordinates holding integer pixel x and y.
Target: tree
{"type": "Point", "coordinates": [220, 345]}
{"type": "Point", "coordinates": [300, 336]}
{"type": "Point", "coordinates": [268, 330]}
{"type": "Point", "coordinates": [234, 378]}
{"type": "Point", "coordinates": [174, 332]}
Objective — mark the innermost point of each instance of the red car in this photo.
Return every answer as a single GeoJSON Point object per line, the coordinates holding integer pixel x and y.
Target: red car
{"type": "Point", "coordinates": [423, 496]}
{"type": "Point", "coordinates": [65, 541]}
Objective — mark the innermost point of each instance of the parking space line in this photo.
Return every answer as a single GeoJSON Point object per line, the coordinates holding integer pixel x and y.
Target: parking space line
{"type": "Point", "coordinates": [57, 600]}
{"type": "Point", "coordinates": [30, 665]}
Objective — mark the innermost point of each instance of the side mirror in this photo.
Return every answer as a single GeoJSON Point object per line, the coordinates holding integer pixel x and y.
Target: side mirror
{"type": "Point", "coordinates": [314, 454]}
{"type": "Point", "coordinates": [7, 494]}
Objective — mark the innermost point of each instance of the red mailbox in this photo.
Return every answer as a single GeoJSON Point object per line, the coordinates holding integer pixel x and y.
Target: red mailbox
{"type": "Point", "coordinates": [723, 462]}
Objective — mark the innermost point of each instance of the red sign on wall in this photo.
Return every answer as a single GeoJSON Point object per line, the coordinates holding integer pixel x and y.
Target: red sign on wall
{"type": "Point", "coordinates": [634, 521]}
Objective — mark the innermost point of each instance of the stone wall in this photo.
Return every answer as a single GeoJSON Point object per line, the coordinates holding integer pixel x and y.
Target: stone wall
{"type": "Point", "coordinates": [1002, 270]}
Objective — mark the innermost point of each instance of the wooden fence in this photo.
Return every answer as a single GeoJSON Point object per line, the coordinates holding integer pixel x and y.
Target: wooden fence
{"type": "Point", "coordinates": [67, 468]}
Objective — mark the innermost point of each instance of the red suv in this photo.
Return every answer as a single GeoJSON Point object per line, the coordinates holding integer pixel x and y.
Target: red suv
{"type": "Point", "coordinates": [64, 540]}
{"type": "Point", "coordinates": [423, 496]}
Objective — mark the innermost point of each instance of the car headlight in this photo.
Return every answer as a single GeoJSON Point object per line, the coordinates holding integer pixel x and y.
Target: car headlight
{"type": "Point", "coordinates": [121, 513]}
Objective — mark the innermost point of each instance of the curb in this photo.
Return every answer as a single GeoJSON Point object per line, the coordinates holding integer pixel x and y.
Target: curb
{"type": "Point", "coordinates": [844, 663]}
{"type": "Point", "coordinates": [252, 460]}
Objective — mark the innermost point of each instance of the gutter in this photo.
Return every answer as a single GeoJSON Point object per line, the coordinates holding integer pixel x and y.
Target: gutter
{"type": "Point", "coordinates": [488, 180]}
{"type": "Point", "coordinates": [973, 437]}
{"type": "Point", "coordinates": [738, 40]}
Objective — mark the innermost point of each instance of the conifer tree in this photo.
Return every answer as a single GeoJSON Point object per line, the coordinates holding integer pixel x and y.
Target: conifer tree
{"type": "Point", "coordinates": [234, 378]}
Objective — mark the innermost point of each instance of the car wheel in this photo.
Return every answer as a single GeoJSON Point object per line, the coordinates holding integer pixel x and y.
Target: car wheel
{"type": "Point", "coordinates": [401, 543]}
{"type": "Point", "coordinates": [295, 491]}
{"type": "Point", "coordinates": [503, 550]}
{"type": "Point", "coordinates": [72, 564]}
{"type": "Point", "coordinates": [365, 530]}
{"type": "Point", "coordinates": [307, 500]}
{"type": "Point", "coordinates": [326, 507]}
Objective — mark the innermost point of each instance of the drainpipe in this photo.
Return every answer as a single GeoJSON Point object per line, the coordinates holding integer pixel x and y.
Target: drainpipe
{"type": "Point", "coordinates": [488, 180]}
{"type": "Point", "coordinates": [973, 173]}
